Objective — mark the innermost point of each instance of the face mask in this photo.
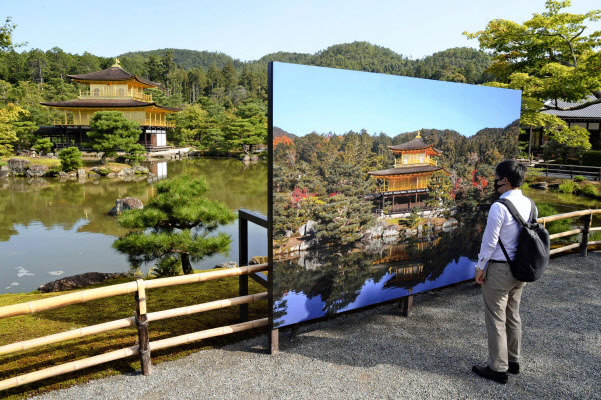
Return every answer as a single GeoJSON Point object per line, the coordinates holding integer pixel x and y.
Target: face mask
{"type": "Point", "coordinates": [496, 185]}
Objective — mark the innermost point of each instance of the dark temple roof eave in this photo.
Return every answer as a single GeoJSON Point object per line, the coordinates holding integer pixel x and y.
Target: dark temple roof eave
{"type": "Point", "coordinates": [406, 170]}
{"type": "Point", "coordinates": [104, 103]}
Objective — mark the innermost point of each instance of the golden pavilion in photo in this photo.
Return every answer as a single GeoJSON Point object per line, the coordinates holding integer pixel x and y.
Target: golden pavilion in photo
{"type": "Point", "coordinates": [112, 89]}
{"type": "Point", "coordinates": [406, 184]}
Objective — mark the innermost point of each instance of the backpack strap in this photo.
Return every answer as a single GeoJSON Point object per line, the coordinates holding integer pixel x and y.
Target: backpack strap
{"type": "Point", "coordinates": [533, 211]}
{"type": "Point", "coordinates": [514, 212]}
{"type": "Point", "coordinates": [516, 215]}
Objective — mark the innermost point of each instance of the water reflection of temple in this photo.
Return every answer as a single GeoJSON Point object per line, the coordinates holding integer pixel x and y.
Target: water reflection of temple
{"type": "Point", "coordinates": [159, 171]}
{"type": "Point", "coordinates": [404, 251]}
{"type": "Point", "coordinates": [406, 185]}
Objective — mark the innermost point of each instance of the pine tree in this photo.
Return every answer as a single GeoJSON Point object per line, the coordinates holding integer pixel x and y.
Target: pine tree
{"type": "Point", "coordinates": [70, 159]}
{"type": "Point", "coordinates": [110, 131]}
{"type": "Point", "coordinates": [177, 222]}
{"type": "Point", "coordinates": [439, 192]}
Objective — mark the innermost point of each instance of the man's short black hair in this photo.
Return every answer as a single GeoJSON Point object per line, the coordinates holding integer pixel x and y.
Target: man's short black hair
{"type": "Point", "coordinates": [513, 171]}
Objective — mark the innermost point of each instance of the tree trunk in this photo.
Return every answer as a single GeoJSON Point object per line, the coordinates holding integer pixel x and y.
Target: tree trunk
{"type": "Point", "coordinates": [186, 266]}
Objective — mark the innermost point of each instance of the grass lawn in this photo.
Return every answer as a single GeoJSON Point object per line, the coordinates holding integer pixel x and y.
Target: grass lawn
{"type": "Point", "coordinates": [75, 316]}
{"type": "Point", "coordinates": [49, 162]}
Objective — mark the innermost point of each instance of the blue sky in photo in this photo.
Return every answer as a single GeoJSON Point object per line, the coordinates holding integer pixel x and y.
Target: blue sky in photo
{"type": "Point", "coordinates": [324, 100]}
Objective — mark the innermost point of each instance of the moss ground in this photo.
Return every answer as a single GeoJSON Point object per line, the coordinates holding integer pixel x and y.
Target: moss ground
{"type": "Point", "coordinates": [48, 322]}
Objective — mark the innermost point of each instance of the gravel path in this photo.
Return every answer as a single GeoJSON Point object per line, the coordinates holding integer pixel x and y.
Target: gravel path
{"type": "Point", "coordinates": [377, 354]}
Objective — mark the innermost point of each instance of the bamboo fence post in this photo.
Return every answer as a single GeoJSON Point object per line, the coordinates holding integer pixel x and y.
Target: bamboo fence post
{"type": "Point", "coordinates": [585, 233]}
{"type": "Point", "coordinates": [142, 323]}
{"type": "Point", "coordinates": [243, 260]}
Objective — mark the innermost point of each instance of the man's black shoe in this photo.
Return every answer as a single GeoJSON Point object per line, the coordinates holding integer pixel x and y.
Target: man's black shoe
{"type": "Point", "coordinates": [488, 373]}
{"type": "Point", "coordinates": [514, 368]}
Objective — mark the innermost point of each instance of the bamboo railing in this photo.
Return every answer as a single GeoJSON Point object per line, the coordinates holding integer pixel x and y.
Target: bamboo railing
{"type": "Point", "coordinates": [141, 320]}
{"type": "Point", "coordinates": [587, 217]}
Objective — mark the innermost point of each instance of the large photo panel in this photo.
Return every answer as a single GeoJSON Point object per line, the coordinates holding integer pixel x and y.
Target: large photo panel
{"type": "Point", "coordinates": [380, 184]}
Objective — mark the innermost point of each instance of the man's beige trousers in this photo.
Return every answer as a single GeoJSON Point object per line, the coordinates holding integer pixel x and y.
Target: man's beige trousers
{"type": "Point", "coordinates": [502, 294]}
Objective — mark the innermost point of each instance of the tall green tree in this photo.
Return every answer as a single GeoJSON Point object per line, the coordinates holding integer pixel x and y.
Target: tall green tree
{"type": "Point", "coordinates": [111, 131]}
{"type": "Point", "coordinates": [6, 33]}
{"type": "Point", "coordinates": [8, 135]}
{"type": "Point", "coordinates": [549, 57]}
{"type": "Point", "coordinates": [178, 221]}
{"type": "Point", "coordinates": [439, 193]}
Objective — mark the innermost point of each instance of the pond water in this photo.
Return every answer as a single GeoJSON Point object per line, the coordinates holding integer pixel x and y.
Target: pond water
{"type": "Point", "coordinates": [51, 229]}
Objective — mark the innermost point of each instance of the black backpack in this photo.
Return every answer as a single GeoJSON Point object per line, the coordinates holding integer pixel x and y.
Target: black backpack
{"type": "Point", "coordinates": [532, 255]}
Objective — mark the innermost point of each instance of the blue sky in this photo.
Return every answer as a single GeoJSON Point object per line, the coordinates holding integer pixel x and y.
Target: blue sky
{"type": "Point", "coordinates": [248, 30]}
{"type": "Point", "coordinates": [326, 100]}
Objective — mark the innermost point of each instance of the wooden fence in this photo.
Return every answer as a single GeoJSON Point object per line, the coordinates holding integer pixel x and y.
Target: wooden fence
{"type": "Point", "coordinates": [587, 220]}
{"type": "Point", "coordinates": [141, 320]}
{"type": "Point", "coordinates": [564, 170]}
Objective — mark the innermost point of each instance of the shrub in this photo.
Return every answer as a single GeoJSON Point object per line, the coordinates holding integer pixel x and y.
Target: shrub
{"type": "Point", "coordinates": [169, 266]}
{"type": "Point", "coordinates": [70, 159]}
{"type": "Point", "coordinates": [579, 178]}
{"type": "Point", "coordinates": [43, 145]}
{"type": "Point", "coordinates": [525, 186]}
{"type": "Point", "coordinates": [568, 187]}
{"type": "Point", "coordinates": [532, 175]}
{"type": "Point", "coordinates": [589, 190]}
{"type": "Point", "coordinates": [53, 171]}
{"type": "Point", "coordinates": [592, 158]}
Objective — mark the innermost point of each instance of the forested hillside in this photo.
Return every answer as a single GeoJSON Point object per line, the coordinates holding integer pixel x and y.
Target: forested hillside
{"type": "Point", "coordinates": [228, 94]}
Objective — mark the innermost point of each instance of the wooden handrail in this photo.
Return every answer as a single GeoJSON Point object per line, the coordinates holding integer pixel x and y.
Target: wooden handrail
{"type": "Point", "coordinates": [141, 319]}
{"type": "Point", "coordinates": [127, 352]}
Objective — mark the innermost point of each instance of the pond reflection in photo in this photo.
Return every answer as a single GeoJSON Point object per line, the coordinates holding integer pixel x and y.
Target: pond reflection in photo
{"type": "Point", "coordinates": [336, 279]}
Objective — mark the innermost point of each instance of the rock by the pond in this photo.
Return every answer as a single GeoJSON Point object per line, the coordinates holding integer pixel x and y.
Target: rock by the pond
{"type": "Point", "coordinates": [93, 175]}
{"type": "Point", "coordinates": [307, 229]}
{"type": "Point", "coordinates": [141, 170]}
{"type": "Point", "coordinates": [18, 166]}
{"type": "Point", "coordinates": [391, 230]}
{"type": "Point", "coordinates": [63, 175]}
{"type": "Point", "coordinates": [540, 185]}
{"type": "Point", "coordinates": [36, 171]}
{"type": "Point", "coordinates": [78, 281]}
{"type": "Point", "coordinates": [3, 173]}
{"type": "Point", "coordinates": [81, 173]}
{"type": "Point", "coordinates": [111, 175]}
{"type": "Point", "coordinates": [128, 203]}
{"type": "Point", "coordinates": [126, 172]}
{"type": "Point", "coordinates": [226, 264]}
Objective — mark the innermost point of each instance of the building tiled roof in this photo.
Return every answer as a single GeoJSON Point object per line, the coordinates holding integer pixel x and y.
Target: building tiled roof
{"type": "Point", "coordinates": [106, 103]}
{"type": "Point", "coordinates": [112, 74]}
{"type": "Point", "coordinates": [593, 111]}
{"type": "Point", "coordinates": [406, 170]}
{"type": "Point", "coordinates": [415, 144]}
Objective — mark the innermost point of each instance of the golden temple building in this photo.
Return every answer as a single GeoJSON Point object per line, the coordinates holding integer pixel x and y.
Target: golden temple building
{"type": "Point", "coordinates": [406, 184]}
{"type": "Point", "coordinates": [112, 89]}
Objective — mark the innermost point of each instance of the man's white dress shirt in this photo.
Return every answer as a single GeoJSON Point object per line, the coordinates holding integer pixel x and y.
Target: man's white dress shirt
{"type": "Point", "coordinates": [502, 225]}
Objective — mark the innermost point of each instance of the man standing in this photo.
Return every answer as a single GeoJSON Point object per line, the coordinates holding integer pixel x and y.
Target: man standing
{"type": "Point", "coordinates": [501, 291]}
